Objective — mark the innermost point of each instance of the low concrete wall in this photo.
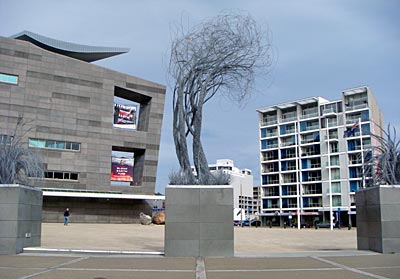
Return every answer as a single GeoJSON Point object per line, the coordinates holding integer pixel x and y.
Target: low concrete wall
{"type": "Point", "coordinates": [20, 218]}
{"type": "Point", "coordinates": [378, 219]}
{"type": "Point", "coordinates": [199, 221]}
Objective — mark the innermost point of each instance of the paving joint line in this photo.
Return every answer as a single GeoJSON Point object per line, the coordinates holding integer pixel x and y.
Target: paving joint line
{"type": "Point", "coordinates": [200, 268]}
{"type": "Point", "coordinates": [355, 270]}
{"type": "Point", "coordinates": [48, 269]}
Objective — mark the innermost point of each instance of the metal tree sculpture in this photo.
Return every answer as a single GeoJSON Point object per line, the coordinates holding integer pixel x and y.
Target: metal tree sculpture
{"type": "Point", "coordinates": [384, 163]}
{"type": "Point", "coordinates": [17, 163]}
{"type": "Point", "coordinates": [221, 56]}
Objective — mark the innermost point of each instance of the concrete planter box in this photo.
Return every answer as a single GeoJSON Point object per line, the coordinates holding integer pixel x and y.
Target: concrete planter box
{"type": "Point", "coordinates": [20, 218]}
{"type": "Point", "coordinates": [378, 219]}
{"type": "Point", "coordinates": [199, 221]}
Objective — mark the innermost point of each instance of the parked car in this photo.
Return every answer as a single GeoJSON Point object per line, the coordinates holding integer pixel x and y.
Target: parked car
{"type": "Point", "coordinates": [255, 223]}
{"type": "Point", "coordinates": [244, 223]}
{"type": "Point", "coordinates": [302, 225]}
{"type": "Point", "coordinates": [325, 225]}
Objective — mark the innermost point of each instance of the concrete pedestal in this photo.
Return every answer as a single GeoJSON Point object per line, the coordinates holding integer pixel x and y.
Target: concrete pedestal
{"type": "Point", "coordinates": [199, 221]}
{"type": "Point", "coordinates": [20, 218]}
{"type": "Point", "coordinates": [378, 219]}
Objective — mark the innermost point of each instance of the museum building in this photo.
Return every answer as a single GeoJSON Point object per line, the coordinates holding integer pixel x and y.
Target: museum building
{"type": "Point", "coordinates": [97, 130]}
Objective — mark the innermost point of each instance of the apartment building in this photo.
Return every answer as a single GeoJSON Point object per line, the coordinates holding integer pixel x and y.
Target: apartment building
{"type": "Point", "coordinates": [97, 130]}
{"type": "Point", "coordinates": [241, 181]}
{"type": "Point", "coordinates": [311, 156]}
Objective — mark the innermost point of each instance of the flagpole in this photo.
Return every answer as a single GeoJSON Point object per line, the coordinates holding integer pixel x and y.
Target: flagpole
{"type": "Point", "coordinates": [329, 176]}
{"type": "Point", "coordinates": [297, 177]}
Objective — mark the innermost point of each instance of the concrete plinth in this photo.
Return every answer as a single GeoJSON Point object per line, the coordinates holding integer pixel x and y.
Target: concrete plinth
{"type": "Point", "coordinates": [199, 221]}
{"type": "Point", "coordinates": [20, 218]}
{"type": "Point", "coordinates": [378, 219]}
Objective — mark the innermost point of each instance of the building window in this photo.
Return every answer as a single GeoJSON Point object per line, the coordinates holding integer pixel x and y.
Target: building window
{"type": "Point", "coordinates": [336, 187]}
{"type": "Point", "coordinates": [10, 79]}
{"type": "Point", "coordinates": [6, 139]}
{"type": "Point", "coordinates": [336, 201]}
{"type": "Point", "coordinates": [53, 144]}
{"type": "Point", "coordinates": [61, 175]}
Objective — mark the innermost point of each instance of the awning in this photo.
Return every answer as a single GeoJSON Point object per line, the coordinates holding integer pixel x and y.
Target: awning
{"type": "Point", "coordinates": [101, 195]}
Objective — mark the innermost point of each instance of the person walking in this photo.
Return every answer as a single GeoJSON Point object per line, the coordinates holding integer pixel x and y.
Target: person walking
{"type": "Point", "coordinates": [66, 217]}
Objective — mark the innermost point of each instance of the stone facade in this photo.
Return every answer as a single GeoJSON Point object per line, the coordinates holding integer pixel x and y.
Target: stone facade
{"type": "Point", "coordinates": [20, 218]}
{"type": "Point", "coordinates": [199, 221]}
{"type": "Point", "coordinates": [378, 219]}
{"type": "Point", "coordinates": [64, 99]}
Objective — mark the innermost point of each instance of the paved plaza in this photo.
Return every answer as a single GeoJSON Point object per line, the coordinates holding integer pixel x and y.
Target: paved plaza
{"type": "Point", "coordinates": [135, 251]}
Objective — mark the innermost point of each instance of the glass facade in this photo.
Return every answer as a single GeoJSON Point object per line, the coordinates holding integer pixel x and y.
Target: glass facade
{"type": "Point", "coordinates": [6, 78]}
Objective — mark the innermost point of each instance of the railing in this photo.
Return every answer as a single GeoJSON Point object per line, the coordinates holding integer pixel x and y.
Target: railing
{"type": "Point", "coordinates": [269, 122]}
{"type": "Point", "coordinates": [289, 131]}
{"type": "Point", "coordinates": [272, 182]}
{"type": "Point", "coordinates": [332, 123]}
{"type": "Point", "coordinates": [311, 127]}
{"type": "Point", "coordinates": [286, 180]}
{"type": "Point", "coordinates": [328, 111]}
{"type": "Point", "coordinates": [287, 143]}
{"type": "Point", "coordinates": [313, 113]}
{"type": "Point", "coordinates": [333, 136]}
{"type": "Point", "coordinates": [269, 146]}
{"type": "Point", "coordinates": [313, 205]}
{"type": "Point", "coordinates": [357, 106]}
{"type": "Point", "coordinates": [289, 116]}
{"type": "Point", "coordinates": [309, 140]}
{"type": "Point", "coordinates": [317, 178]}
{"type": "Point", "coordinates": [312, 192]}
{"type": "Point", "coordinates": [274, 134]}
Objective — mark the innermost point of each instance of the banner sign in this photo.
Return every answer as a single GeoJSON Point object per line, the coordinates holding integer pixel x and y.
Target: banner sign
{"type": "Point", "coordinates": [124, 116]}
{"type": "Point", "coordinates": [121, 169]}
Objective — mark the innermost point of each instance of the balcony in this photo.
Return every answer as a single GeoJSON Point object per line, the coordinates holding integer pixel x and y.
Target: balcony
{"type": "Point", "coordinates": [268, 122]}
{"type": "Point", "coordinates": [327, 111]}
{"type": "Point", "coordinates": [312, 178]}
{"type": "Point", "coordinates": [272, 134]}
{"type": "Point", "coordinates": [311, 127]}
{"type": "Point", "coordinates": [360, 104]}
{"type": "Point", "coordinates": [314, 204]}
{"type": "Point", "coordinates": [309, 113]}
{"type": "Point", "coordinates": [289, 116]}
{"type": "Point", "coordinates": [270, 146]}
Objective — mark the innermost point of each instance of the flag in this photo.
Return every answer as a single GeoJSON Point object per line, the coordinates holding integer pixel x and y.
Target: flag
{"type": "Point", "coordinates": [355, 125]}
{"type": "Point", "coordinates": [350, 131]}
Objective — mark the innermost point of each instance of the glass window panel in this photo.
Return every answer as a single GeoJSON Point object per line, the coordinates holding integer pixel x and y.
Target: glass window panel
{"type": "Point", "coordinates": [48, 174]}
{"type": "Point", "coordinates": [66, 175]}
{"type": "Point", "coordinates": [8, 78]}
{"type": "Point", "coordinates": [60, 144]}
{"type": "Point", "coordinates": [58, 175]}
{"type": "Point", "coordinates": [50, 143]}
{"type": "Point", "coordinates": [68, 145]}
{"type": "Point", "coordinates": [75, 146]}
{"type": "Point", "coordinates": [74, 176]}
{"type": "Point", "coordinates": [36, 143]}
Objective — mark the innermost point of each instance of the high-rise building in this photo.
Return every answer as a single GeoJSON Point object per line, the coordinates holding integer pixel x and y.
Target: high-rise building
{"type": "Point", "coordinates": [97, 130]}
{"type": "Point", "coordinates": [311, 155]}
{"type": "Point", "coordinates": [241, 181]}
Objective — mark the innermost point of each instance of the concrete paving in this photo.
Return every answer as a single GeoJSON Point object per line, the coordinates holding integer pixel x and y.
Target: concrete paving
{"type": "Point", "coordinates": [276, 253]}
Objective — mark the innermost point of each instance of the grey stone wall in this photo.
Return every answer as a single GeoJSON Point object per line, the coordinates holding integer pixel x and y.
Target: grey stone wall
{"type": "Point", "coordinates": [65, 99]}
{"type": "Point", "coordinates": [94, 210]}
{"type": "Point", "coordinates": [20, 218]}
{"type": "Point", "coordinates": [199, 221]}
{"type": "Point", "coordinates": [378, 219]}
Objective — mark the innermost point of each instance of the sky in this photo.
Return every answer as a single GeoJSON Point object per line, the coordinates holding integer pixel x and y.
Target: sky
{"type": "Point", "coordinates": [320, 48]}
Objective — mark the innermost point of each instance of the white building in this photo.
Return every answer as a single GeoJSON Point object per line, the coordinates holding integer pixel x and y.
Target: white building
{"type": "Point", "coordinates": [241, 181]}
{"type": "Point", "coordinates": [311, 155]}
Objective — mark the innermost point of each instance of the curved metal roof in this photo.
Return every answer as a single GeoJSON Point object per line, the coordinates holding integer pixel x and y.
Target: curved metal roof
{"type": "Point", "coordinates": [81, 52]}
